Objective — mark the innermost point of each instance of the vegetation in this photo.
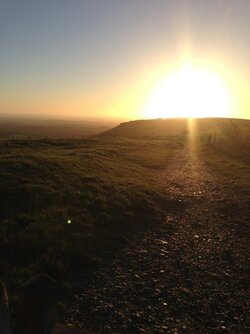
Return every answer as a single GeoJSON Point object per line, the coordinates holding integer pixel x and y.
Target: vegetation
{"type": "Point", "coordinates": [177, 127]}
{"type": "Point", "coordinates": [229, 154]}
{"type": "Point", "coordinates": [67, 205]}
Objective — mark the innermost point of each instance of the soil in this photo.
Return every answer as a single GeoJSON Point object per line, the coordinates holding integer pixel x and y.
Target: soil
{"type": "Point", "coordinates": [187, 275]}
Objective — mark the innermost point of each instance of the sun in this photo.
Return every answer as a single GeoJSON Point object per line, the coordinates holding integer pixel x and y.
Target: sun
{"type": "Point", "coordinates": [190, 92]}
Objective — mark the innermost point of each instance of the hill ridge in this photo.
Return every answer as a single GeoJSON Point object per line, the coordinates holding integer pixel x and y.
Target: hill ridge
{"type": "Point", "coordinates": [172, 126]}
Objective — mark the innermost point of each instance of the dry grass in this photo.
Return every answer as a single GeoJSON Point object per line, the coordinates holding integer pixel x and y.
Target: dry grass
{"type": "Point", "coordinates": [105, 187]}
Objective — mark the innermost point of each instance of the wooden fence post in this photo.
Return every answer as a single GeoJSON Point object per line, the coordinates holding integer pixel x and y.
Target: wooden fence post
{"type": "Point", "coordinates": [38, 305]}
{"type": "Point", "coordinates": [4, 311]}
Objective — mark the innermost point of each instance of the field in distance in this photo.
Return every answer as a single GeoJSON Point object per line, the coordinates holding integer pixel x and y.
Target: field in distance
{"type": "Point", "coordinates": [28, 127]}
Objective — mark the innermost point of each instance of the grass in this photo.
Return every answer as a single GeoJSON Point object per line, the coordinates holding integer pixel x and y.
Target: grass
{"type": "Point", "coordinates": [105, 187]}
{"type": "Point", "coordinates": [230, 154]}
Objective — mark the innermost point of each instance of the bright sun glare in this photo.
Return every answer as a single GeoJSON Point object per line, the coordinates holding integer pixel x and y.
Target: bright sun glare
{"type": "Point", "coordinates": [190, 92]}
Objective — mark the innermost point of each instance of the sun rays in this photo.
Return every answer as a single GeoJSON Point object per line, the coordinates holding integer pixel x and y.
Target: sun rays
{"type": "Point", "coordinates": [189, 92]}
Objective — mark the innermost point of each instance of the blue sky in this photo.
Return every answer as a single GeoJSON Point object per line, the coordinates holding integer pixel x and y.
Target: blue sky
{"type": "Point", "coordinates": [54, 52]}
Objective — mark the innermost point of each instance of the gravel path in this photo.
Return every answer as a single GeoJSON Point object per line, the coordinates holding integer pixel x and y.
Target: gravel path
{"type": "Point", "coordinates": [189, 275]}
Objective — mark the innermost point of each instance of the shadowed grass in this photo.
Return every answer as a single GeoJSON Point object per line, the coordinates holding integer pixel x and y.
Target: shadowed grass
{"type": "Point", "coordinates": [230, 154]}
{"type": "Point", "coordinates": [105, 187]}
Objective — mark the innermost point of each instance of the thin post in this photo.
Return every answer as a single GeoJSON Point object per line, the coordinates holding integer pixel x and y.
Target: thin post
{"type": "Point", "coordinates": [5, 327]}
{"type": "Point", "coordinates": [38, 305]}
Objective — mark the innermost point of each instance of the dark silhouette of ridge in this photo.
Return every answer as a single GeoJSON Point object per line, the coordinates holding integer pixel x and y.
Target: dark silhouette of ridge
{"type": "Point", "coordinates": [172, 127]}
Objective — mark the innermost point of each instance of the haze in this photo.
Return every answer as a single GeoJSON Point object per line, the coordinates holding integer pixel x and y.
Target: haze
{"type": "Point", "coordinates": [104, 58]}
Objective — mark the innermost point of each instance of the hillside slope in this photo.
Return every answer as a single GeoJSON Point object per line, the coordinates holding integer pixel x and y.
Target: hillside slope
{"type": "Point", "coordinates": [173, 127]}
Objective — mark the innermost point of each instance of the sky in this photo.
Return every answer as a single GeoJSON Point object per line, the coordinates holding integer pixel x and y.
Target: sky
{"type": "Point", "coordinates": [103, 58]}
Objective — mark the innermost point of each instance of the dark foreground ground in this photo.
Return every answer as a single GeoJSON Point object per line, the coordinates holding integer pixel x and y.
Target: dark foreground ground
{"type": "Point", "coordinates": [187, 275]}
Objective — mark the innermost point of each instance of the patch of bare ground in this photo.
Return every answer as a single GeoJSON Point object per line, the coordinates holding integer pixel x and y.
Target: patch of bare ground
{"type": "Point", "coordinates": [187, 275]}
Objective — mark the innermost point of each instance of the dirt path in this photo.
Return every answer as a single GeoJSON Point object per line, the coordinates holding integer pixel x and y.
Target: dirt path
{"type": "Point", "coordinates": [187, 276]}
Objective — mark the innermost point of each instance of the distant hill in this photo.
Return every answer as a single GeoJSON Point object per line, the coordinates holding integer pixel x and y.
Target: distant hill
{"type": "Point", "coordinates": [173, 127]}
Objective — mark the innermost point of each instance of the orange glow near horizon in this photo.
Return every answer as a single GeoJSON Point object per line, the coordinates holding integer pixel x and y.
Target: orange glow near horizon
{"type": "Point", "coordinates": [189, 92]}
{"type": "Point", "coordinates": [193, 90]}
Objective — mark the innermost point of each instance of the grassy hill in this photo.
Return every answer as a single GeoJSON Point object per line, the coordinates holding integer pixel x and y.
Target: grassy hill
{"type": "Point", "coordinates": [225, 136]}
{"type": "Point", "coordinates": [175, 127]}
{"type": "Point", "coordinates": [103, 185]}
{"type": "Point", "coordinates": [68, 205]}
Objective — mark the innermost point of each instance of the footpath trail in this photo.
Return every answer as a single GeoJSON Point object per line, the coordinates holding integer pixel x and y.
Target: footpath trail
{"type": "Point", "coordinates": [188, 275]}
